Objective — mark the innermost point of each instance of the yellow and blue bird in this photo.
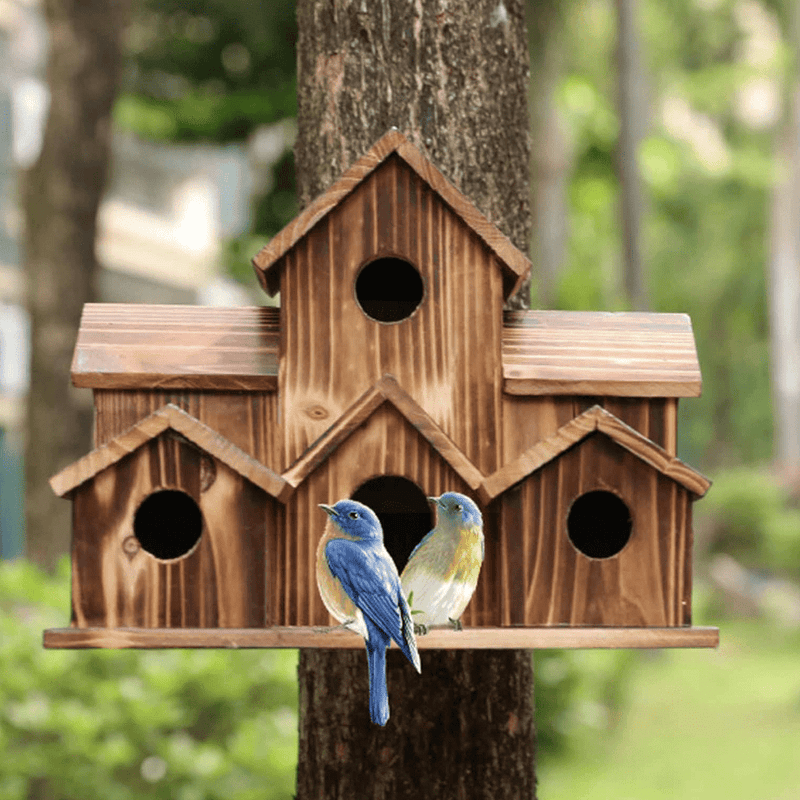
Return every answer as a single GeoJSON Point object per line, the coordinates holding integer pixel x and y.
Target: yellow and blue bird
{"type": "Point", "coordinates": [442, 570]}
{"type": "Point", "coordinates": [355, 562]}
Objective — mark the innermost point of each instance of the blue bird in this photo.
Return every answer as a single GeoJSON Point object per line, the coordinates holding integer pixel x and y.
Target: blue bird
{"type": "Point", "coordinates": [356, 560]}
{"type": "Point", "coordinates": [442, 570]}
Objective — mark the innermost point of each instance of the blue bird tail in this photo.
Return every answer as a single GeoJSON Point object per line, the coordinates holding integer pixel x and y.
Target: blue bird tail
{"type": "Point", "coordinates": [376, 659]}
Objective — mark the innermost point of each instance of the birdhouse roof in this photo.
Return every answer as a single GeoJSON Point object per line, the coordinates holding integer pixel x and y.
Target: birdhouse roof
{"type": "Point", "coordinates": [385, 390]}
{"type": "Point", "coordinates": [266, 262]}
{"type": "Point", "coordinates": [598, 353]}
{"type": "Point", "coordinates": [169, 416]}
{"type": "Point", "coordinates": [594, 419]}
{"type": "Point", "coordinates": [130, 346]}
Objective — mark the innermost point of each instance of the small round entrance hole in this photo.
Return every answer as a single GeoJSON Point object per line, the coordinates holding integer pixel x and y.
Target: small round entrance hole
{"type": "Point", "coordinates": [599, 524]}
{"type": "Point", "coordinates": [403, 510]}
{"type": "Point", "coordinates": [389, 289]}
{"type": "Point", "coordinates": [168, 524]}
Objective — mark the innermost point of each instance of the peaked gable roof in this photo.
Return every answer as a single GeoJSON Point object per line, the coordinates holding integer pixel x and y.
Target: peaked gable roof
{"type": "Point", "coordinates": [169, 416]}
{"type": "Point", "coordinates": [514, 262]}
{"type": "Point", "coordinates": [387, 389]}
{"type": "Point", "coordinates": [594, 419]}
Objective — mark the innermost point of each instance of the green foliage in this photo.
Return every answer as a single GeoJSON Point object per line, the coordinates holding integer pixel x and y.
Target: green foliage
{"type": "Point", "coordinates": [707, 177]}
{"type": "Point", "coordinates": [751, 516]}
{"type": "Point", "coordinates": [579, 695]}
{"type": "Point", "coordinates": [118, 725]}
{"type": "Point", "coordinates": [208, 70]}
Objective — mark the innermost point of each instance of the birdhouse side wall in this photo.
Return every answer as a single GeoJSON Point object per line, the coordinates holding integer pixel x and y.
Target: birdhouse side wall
{"type": "Point", "coordinates": [386, 444]}
{"type": "Point", "coordinates": [545, 580]}
{"type": "Point", "coordinates": [446, 354]}
{"type": "Point", "coordinates": [528, 420]}
{"type": "Point", "coordinates": [219, 583]}
{"type": "Point", "coordinates": [247, 419]}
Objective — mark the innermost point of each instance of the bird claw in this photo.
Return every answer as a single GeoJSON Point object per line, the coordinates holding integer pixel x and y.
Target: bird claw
{"type": "Point", "coordinates": [420, 629]}
{"type": "Point", "coordinates": [456, 623]}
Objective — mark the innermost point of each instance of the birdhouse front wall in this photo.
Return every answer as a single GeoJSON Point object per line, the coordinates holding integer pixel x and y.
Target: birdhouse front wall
{"type": "Point", "coordinates": [219, 582]}
{"type": "Point", "coordinates": [387, 444]}
{"type": "Point", "coordinates": [246, 419]}
{"type": "Point", "coordinates": [546, 580]}
{"type": "Point", "coordinates": [446, 355]}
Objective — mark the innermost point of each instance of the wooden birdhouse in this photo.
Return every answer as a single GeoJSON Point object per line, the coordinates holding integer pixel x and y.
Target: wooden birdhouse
{"type": "Point", "coordinates": [389, 373]}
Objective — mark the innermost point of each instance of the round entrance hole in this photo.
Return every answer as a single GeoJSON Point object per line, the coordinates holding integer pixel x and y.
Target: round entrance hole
{"type": "Point", "coordinates": [599, 524]}
{"type": "Point", "coordinates": [403, 510]}
{"type": "Point", "coordinates": [389, 289]}
{"type": "Point", "coordinates": [168, 524]}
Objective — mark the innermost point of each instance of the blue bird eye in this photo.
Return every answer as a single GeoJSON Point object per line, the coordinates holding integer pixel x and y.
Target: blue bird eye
{"type": "Point", "coordinates": [459, 507]}
{"type": "Point", "coordinates": [353, 515]}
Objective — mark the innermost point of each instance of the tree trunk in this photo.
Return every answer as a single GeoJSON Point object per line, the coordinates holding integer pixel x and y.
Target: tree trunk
{"type": "Point", "coordinates": [551, 161]}
{"type": "Point", "coordinates": [61, 194]}
{"type": "Point", "coordinates": [453, 77]}
{"type": "Point", "coordinates": [784, 273]}
{"type": "Point", "coordinates": [632, 116]}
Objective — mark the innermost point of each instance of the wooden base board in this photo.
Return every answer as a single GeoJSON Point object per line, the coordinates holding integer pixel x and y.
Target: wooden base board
{"type": "Point", "coordinates": [337, 638]}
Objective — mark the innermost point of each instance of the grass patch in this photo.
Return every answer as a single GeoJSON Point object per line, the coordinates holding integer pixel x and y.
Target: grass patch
{"type": "Point", "coordinates": [710, 724]}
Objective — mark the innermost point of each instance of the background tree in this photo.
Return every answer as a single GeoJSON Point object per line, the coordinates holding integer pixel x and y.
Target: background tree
{"type": "Point", "coordinates": [61, 193]}
{"type": "Point", "coordinates": [454, 78]}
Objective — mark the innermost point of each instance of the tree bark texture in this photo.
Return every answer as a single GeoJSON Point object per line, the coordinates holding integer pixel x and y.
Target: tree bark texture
{"type": "Point", "coordinates": [450, 74]}
{"type": "Point", "coordinates": [61, 194]}
{"type": "Point", "coordinates": [453, 76]}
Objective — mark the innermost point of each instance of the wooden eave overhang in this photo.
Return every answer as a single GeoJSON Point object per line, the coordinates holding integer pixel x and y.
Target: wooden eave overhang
{"type": "Point", "coordinates": [134, 346]}
{"type": "Point", "coordinates": [514, 263]}
{"type": "Point", "coordinates": [170, 416]}
{"type": "Point", "coordinates": [385, 390]}
{"type": "Point", "coordinates": [627, 354]}
{"type": "Point", "coordinates": [594, 419]}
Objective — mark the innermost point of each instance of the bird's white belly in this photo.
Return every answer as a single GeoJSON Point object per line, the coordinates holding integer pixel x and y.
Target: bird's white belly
{"type": "Point", "coordinates": [441, 601]}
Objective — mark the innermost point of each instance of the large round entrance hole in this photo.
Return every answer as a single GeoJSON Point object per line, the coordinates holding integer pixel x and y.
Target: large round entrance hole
{"type": "Point", "coordinates": [389, 289]}
{"type": "Point", "coordinates": [168, 524]}
{"type": "Point", "coordinates": [403, 510]}
{"type": "Point", "coordinates": [599, 524]}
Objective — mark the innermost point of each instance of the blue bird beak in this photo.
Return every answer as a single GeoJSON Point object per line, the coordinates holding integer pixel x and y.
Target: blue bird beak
{"type": "Point", "coordinates": [329, 510]}
{"type": "Point", "coordinates": [434, 500]}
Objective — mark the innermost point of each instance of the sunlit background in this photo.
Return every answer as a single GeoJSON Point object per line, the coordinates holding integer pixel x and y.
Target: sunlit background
{"type": "Point", "coordinates": [202, 176]}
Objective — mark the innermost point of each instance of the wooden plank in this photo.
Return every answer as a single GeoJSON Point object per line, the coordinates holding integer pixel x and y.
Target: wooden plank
{"type": "Point", "coordinates": [267, 261]}
{"type": "Point", "coordinates": [438, 639]}
{"type": "Point", "coordinates": [169, 417]}
{"type": "Point", "coordinates": [626, 354]}
{"type": "Point", "coordinates": [131, 346]}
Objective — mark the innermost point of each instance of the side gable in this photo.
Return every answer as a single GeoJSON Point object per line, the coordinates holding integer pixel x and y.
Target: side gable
{"type": "Point", "coordinates": [169, 416]}
{"type": "Point", "coordinates": [595, 419]}
{"type": "Point", "coordinates": [266, 262]}
{"type": "Point", "coordinates": [385, 390]}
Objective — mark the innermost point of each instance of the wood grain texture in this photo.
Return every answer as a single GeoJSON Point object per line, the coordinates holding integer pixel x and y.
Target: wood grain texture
{"type": "Point", "coordinates": [267, 261]}
{"type": "Point", "coordinates": [195, 431]}
{"type": "Point", "coordinates": [385, 443]}
{"type": "Point", "coordinates": [646, 583]}
{"type": "Point", "coordinates": [129, 346]}
{"type": "Point", "coordinates": [298, 637]}
{"type": "Point", "coordinates": [446, 355]}
{"type": "Point", "coordinates": [249, 420]}
{"type": "Point", "coordinates": [219, 582]}
{"type": "Point", "coordinates": [385, 390]}
{"type": "Point", "coordinates": [595, 419]}
{"type": "Point", "coordinates": [632, 354]}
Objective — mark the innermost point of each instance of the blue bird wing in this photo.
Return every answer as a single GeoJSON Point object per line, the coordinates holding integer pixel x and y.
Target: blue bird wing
{"type": "Point", "coordinates": [369, 577]}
